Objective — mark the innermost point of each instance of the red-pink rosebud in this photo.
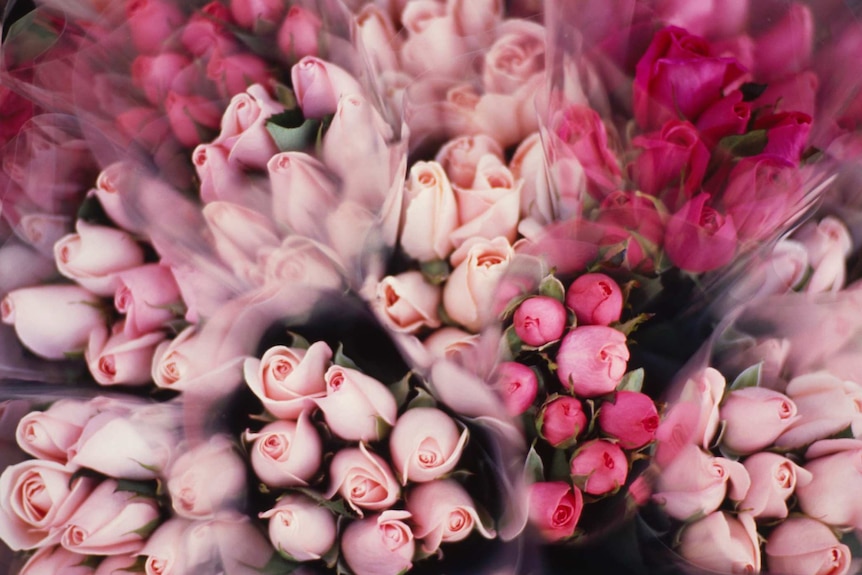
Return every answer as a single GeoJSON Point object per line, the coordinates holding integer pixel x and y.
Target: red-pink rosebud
{"type": "Point", "coordinates": [596, 299]}
{"type": "Point", "coordinates": [603, 464]}
{"type": "Point", "coordinates": [592, 360]}
{"type": "Point", "coordinates": [555, 508]}
{"type": "Point", "coordinates": [562, 420]}
{"type": "Point", "coordinates": [631, 417]}
{"type": "Point", "coordinates": [540, 320]}
{"type": "Point", "coordinates": [518, 385]}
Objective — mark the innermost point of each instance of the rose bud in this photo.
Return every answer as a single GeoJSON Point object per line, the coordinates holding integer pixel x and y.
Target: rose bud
{"type": "Point", "coordinates": [826, 404]}
{"type": "Point", "coordinates": [50, 560]}
{"type": "Point", "coordinates": [561, 420]}
{"type": "Point", "coordinates": [356, 405]}
{"type": "Point", "coordinates": [601, 464]}
{"type": "Point", "coordinates": [145, 295]}
{"type": "Point", "coordinates": [828, 244]}
{"type": "Point", "coordinates": [301, 528]}
{"type": "Point", "coordinates": [555, 508]}
{"type": "Point", "coordinates": [152, 24]}
{"type": "Point", "coordinates": [755, 417]}
{"type": "Point", "coordinates": [695, 483]}
{"type": "Point", "coordinates": [836, 477]}
{"type": "Point", "coordinates": [722, 543]}
{"type": "Point", "coordinates": [363, 479]}
{"type": "Point", "coordinates": [36, 500]}
{"type": "Point", "coordinates": [303, 192]}
{"type": "Point", "coordinates": [430, 213]}
{"type": "Point", "coordinates": [166, 548]}
{"type": "Point", "coordinates": [194, 494]}
{"type": "Point", "coordinates": [299, 34]}
{"type": "Point", "coordinates": [230, 543]}
{"type": "Point", "coordinates": [518, 385]}
{"type": "Point", "coordinates": [726, 117]}
{"type": "Point", "coordinates": [243, 127]}
{"type": "Point", "coordinates": [379, 545]}
{"type": "Point", "coordinates": [319, 85]}
{"type": "Point", "coordinates": [287, 379]}
{"type": "Point", "coordinates": [49, 434]}
{"type": "Point", "coordinates": [110, 522]}
{"type": "Point", "coordinates": [425, 444]}
{"type": "Point", "coordinates": [118, 565]}
{"type": "Point", "coordinates": [286, 453]}
{"type": "Point", "coordinates": [206, 31]}
{"type": "Point", "coordinates": [540, 320]}
{"type": "Point", "coordinates": [801, 545]}
{"type": "Point", "coordinates": [250, 13]}
{"type": "Point", "coordinates": [699, 238]}
{"type": "Point", "coordinates": [773, 481]}
{"type": "Point", "coordinates": [120, 358]}
{"type": "Point", "coordinates": [155, 75]}
{"type": "Point", "coordinates": [631, 417]}
{"type": "Point", "coordinates": [232, 74]}
{"type": "Point", "coordinates": [191, 117]}
{"type": "Point", "coordinates": [443, 512]}
{"type": "Point", "coordinates": [592, 360]}
{"type": "Point", "coordinates": [406, 303]}
{"type": "Point", "coordinates": [460, 156]}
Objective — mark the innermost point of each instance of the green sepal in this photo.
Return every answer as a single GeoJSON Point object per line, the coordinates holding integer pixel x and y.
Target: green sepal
{"type": "Point", "coordinates": [292, 139]}
{"type": "Point", "coordinates": [342, 360]}
{"type": "Point", "coordinates": [743, 145]}
{"type": "Point", "coordinates": [553, 287]}
{"type": "Point", "coordinates": [534, 468]}
{"type": "Point", "coordinates": [422, 399]}
{"type": "Point", "coordinates": [632, 381]}
{"type": "Point", "coordinates": [750, 377]}
{"type": "Point", "coordinates": [435, 272]}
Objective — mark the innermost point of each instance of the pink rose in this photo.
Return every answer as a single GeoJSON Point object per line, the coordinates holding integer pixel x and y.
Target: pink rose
{"type": "Point", "coordinates": [786, 47]}
{"type": "Point", "coordinates": [433, 45]}
{"type": "Point", "coordinates": [118, 565]}
{"type": "Point", "coordinates": [407, 303]}
{"type": "Point", "coordinates": [302, 261]}
{"type": "Point", "coordinates": [115, 188]}
{"type": "Point", "coordinates": [592, 360]}
{"type": "Point", "coordinates": [443, 512]}
{"type": "Point", "coordinates": [145, 294]}
{"type": "Point", "coordinates": [379, 38]}
{"type": "Point", "coordinates": [286, 453]}
{"type": "Point", "coordinates": [828, 244]}
{"type": "Point", "coordinates": [728, 116]}
{"type": "Point", "coordinates": [356, 405]}
{"type": "Point", "coordinates": [699, 238]}
{"type": "Point", "coordinates": [754, 418]}
{"type": "Point", "coordinates": [696, 483]}
{"type": "Point", "coordinates": [596, 299]}
{"type": "Point", "coordinates": [232, 74]}
{"type": "Point", "coordinates": [540, 320]}
{"type": "Point", "coordinates": [110, 522]}
{"type": "Point", "coordinates": [363, 479]}
{"type": "Point", "coordinates": [52, 320]}
{"type": "Point", "coordinates": [301, 528]}
{"type": "Point", "coordinates": [538, 200]}
{"type": "Point", "coordinates": [251, 13]}
{"type": "Point", "coordinates": [206, 31]}
{"type": "Point", "coordinates": [430, 213]}
{"type": "Point", "coordinates": [490, 206]}
{"type": "Point", "coordinates": [192, 118]}
{"type": "Point", "coordinates": [802, 545]}
{"type": "Point", "coordinates": [147, 127]}
{"type": "Point", "coordinates": [287, 379]}
{"type": "Point", "coordinates": [152, 24]}
{"type": "Point", "coordinates": [166, 547]}
{"type": "Point", "coordinates": [708, 18]}
{"type": "Point", "coordinates": [561, 420]}
{"type": "Point", "coordinates": [38, 498]}
{"type": "Point", "coordinates": [303, 192]}
{"type": "Point", "coordinates": [630, 417]}
{"type": "Point", "coordinates": [786, 134]}
{"type": "Point", "coordinates": [243, 128]}
{"type": "Point", "coordinates": [773, 481]}
{"type": "Point", "coordinates": [723, 543]}
{"type": "Point", "coordinates": [241, 236]}
{"type": "Point", "coordinates": [95, 254]}
{"type": "Point", "coordinates": [219, 179]}
{"type": "Point", "coordinates": [425, 444]}
{"type": "Point", "coordinates": [518, 384]}
{"type": "Point", "coordinates": [299, 33]}
{"type": "Point", "coordinates": [516, 56]}
{"type": "Point", "coordinates": [555, 508]}
{"type": "Point", "coordinates": [601, 466]}
{"type": "Point", "coordinates": [42, 231]}
{"type": "Point", "coordinates": [379, 545]}
{"type": "Point", "coordinates": [319, 85]}
{"type": "Point", "coordinates": [158, 74]}
{"type": "Point", "coordinates": [30, 267]}
{"type": "Point", "coordinates": [52, 560]}
{"type": "Point", "coordinates": [230, 543]}
{"type": "Point", "coordinates": [836, 476]}
{"type": "Point", "coordinates": [797, 92]}
{"type": "Point", "coordinates": [49, 434]}
{"type": "Point", "coordinates": [194, 494]}
{"type": "Point", "coordinates": [459, 157]}
{"type": "Point", "coordinates": [117, 358]}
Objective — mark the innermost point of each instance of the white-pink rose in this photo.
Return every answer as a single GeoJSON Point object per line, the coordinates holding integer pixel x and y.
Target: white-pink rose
{"type": "Point", "coordinates": [723, 543]}
{"type": "Point", "coordinates": [286, 453]}
{"type": "Point", "coordinates": [468, 295]}
{"type": "Point", "coordinates": [407, 303]}
{"type": "Point", "coordinates": [319, 85]}
{"type": "Point", "coordinates": [194, 492]}
{"type": "Point", "coordinates": [49, 434]}
{"type": "Point", "coordinates": [489, 207]}
{"type": "Point", "coordinates": [240, 236]}
{"type": "Point", "coordinates": [836, 478]}
{"type": "Point", "coordinates": [303, 193]}
{"type": "Point", "coordinates": [379, 545]}
{"type": "Point", "coordinates": [430, 213]}
{"type": "Point", "coordinates": [93, 256]}
{"type": "Point", "coordinates": [773, 481]}
{"type": "Point", "coordinates": [826, 404]}
{"type": "Point", "coordinates": [119, 358]}
{"type": "Point", "coordinates": [302, 261]}
{"type": "Point", "coordinates": [443, 512]}
{"type": "Point", "coordinates": [357, 407]}
{"type": "Point", "coordinates": [425, 444]}
{"type": "Point", "coordinates": [460, 157]}
{"type": "Point", "coordinates": [243, 128]}
{"type": "Point", "coordinates": [828, 244]}
{"type": "Point", "coordinates": [165, 548]}
{"type": "Point", "coordinates": [363, 479]}
{"type": "Point", "coordinates": [517, 55]}
{"type": "Point", "coordinates": [146, 294]}
{"type": "Point", "coordinates": [801, 545]}
{"type": "Point", "coordinates": [301, 528]}
{"type": "Point", "coordinates": [53, 560]}
{"type": "Point", "coordinates": [754, 418]}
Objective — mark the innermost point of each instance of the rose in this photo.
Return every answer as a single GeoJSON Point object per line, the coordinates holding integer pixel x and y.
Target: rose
{"type": "Point", "coordinates": [115, 189]}
{"type": "Point", "coordinates": [561, 420]}
{"type": "Point", "coordinates": [592, 360]}
{"type": "Point", "coordinates": [631, 417]}
{"type": "Point", "coordinates": [302, 261]}
{"type": "Point", "coordinates": [111, 521]}
{"type": "Point", "coordinates": [155, 75]}
{"type": "Point", "coordinates": [379, 545]}
{"type": "Point", "coordinates": [303, 192]}
{"type": "Point", "coordinates": [300, 528]}
{"type": "Point", "coordinates": [206, 31]}
{"type": "Point", "coordinates": [152, 24]}
{"type": "Point", "coordinates": [51, 560]}
{"type": "Point", "coordinates": [52, 321]}
{"type": "Point", "coordinates": [118, 565]}
{"type": "Point", "coordinates": [728, 116]}
{"type": "Point", "coordinates": [286, 453]}
{"type": "Point", "coordinates": [836, 475]}
{"type": "Point", "coordinates": [828, 244]}
{"type": "Point", "coordinates": [518, 384]}
{"type": "Point", "coordinates": [363, 479]}
{"type": "Point", "coordinates": [287, 379]}
{"type": "Point", "coordinates": [826, 404]}
{"type": "Point", "coordinates": [773, 481]}
{"type": "Point", "coordinates": [596, 299]}
{"type": "Point", "coordinates": [299, 33]}
{"type": "Point", "coordinates": [219, 179]}
{"type": "Point", "coordinates": [723, 543]}
{"type": "Point", "coordinates": [443, 512]}
{"type": "Point", "coordinates": [540, 320]}
{"type": "Point", "coordinates": [241, 235]}
{"type": "Point", "coordinates": [490, 205]}
{"type": "Point", "coordinates": [802, 545]}
{"type": "Point", "coordinates": [243, 128]}
{"type": "Point", "coordinates": [754, 418]}
{"type": "Point", "coordinates": [252, 13]}
{"type": "Point", "coordinates": [49, 434]}
{"type": "Point", "coordinates": [145, 294]}
{"type": "Point", "coordinates": [121, 359]}
{"type": "Point", "coordinates": [319, 85]}
{"type": "Point", "coordinates": [786, 134]}
{"type": "Point", "coordinates": [430, 213]}
{"type": "Point", "coordinates": [191, 117]}
{"type": "Point", "coordinates": [555, 508]}
{"type": "Point", "coordinates": [356, 404]}
{"type": "Point", "coordinates": [538, 200]}
{"type": "Point", "coordinates": [233, 73]}
{"type": "Point", "coordinates": [433, 44]}
{"type": "Point", "coordinates": [699, 238]}
{"type": "Point", "coordinates": [37, 498]}
{"type": "Point", "coordinates": [695, 483]}
{"type": "Point", "coordinates": [378, 36]}
{"type": "Point", "coordinates": [516, 56]}
{"type": "Point", "coordinates": [600, 466]}
{"type": "Point", "coordinates": [407, 303]}
{"type": "Point", "coordinates": [194, 494]}
{"type": "Point", "coordinates": [425, 444]}
{"type": "Point", "coordinates": [165, 548]}
{"type": "Point", "coordinates": [786, 46]}
{"type": "Point", "coordinates": [95, 254]}
{"type": "Point", "coordinates": [459, 157]}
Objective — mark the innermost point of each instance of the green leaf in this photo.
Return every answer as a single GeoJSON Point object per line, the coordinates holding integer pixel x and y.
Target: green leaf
{"type": "Point", "coordinates": [382, 427]}
{"type": "Point", "coordinates": [632, 325]}
{"type": "Point", "coordinates": [278, 565]}
{"type": "Point", "coordinates": [750, 377]}
{"type": "Point", "coordinates": [743, 145]}
{"type": "Point", "coordinates": [142, 488]}
{"type": "Point", "coordinates": [435, 272]}
{"type": "Point", "coordinates": [560, 470]}
{"type": "Point", "coordinates": [297, 341]}
{"type": "Point", "coordinates": [632, 381]}
{"type": "Point", "coordinates": [422, 399]}
{"type": "Point", "coordinates": [343, 360]}
{"type": "Point", "coordinates": [534, 468]}
{"type": "Point", "coordinates": [513, 342]}
{"type": "Point", "coordinates": [338, 506]}
{"type": "Point", "coordinates": [293, 139]}
{"type": "Point", "coordinates": [331, 556]}
{"type": "Point", "coordinates": [145, 530]}
{"type": "Point", "coordinates": [552, 287]}
{"type": "Point", "coordinates": [401, 389]}
{"type": "Point", "coordinates": [285, 96]}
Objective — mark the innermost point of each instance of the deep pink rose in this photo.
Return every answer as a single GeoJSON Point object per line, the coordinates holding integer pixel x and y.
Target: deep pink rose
{"type": "Point", "coordinates": [192, 118]}
{"type": "Point", "coordinates": [518, 384]}
{"type": "Point", "coordinates": [287, 379]}
{"type": "Point", "coordinates": [592, 360]}
{"type": "Point", "coordinates": [425, 444]}
{"type": "Point", "coordinates": [234, 73]}
{"type": "Point", "coordinates": [699, 238]}
{"type": "Point", "coordinates": [722, 543]}
{"type": "Point", "coordinates": [153, 24]}
{"type": "Point", "coordinates": [786, 134]}
{"type": "Point", "coordinates": [443, 512]}
{"type": "Point", "coordinates": [596, 299]}
{"type": "Point", "coordinates": [728, 116]}
{"type": "Point", "coordinates": [580, 133]}
{"type": "Point", "coordinates": [786, 47]}
{"type": "Point", "coordinates": [206, 31]}
{"type": "Point", "coordinates": [194, 494]}
{"type": "Point", "coordinates": [754, 418]}
{"type": "Point", "coordinates": [631, 417]}
{"type": "Point", "coordinates": [379, 545]}
{"type": "Point", "coordinates": [561, 420]}
{"type": "Point", "coordinates": [601, 465]}
{"type": "Point", "coordinates": [299, 34]}
{"type": "Point", "coordinates": [540, 320]}
{"type": "Point", "coordinates": [248, 13]}
{"type": "Point", "coordinates": [555, 508]}
{"type": "Point", "coordinates": [801, 545]}
{"type": "Point", "coordinates": [159, 74]}
{"type": "Point", "coordinates": [300, 527]}
{"type": "Point", "coordinates": [286, 453]}
{"type": "Point", "coordinates": [17, 110]}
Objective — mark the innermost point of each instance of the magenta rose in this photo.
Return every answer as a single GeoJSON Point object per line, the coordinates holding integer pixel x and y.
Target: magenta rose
{"type": "Point", "coordinates": [601, 466]}
{"type": "Point", "coordinates": [561, 420]}
{"type": "Point", "coordinates": [728, 116]}
{"type": "Point", "coordinates": [555, 508]}
{"type": "Point", "coordinates": [540, 320]}
{"type": "Point", "coordinates": [631, 417]}
{"type": "Point", "coordinates": [596, 299]}
{"type": "Point", "coordinates": [592, 360]}
{"type": "Point", "coordinates": [699, 238]}
{"type": "Point", "coordinates": [786, 134]}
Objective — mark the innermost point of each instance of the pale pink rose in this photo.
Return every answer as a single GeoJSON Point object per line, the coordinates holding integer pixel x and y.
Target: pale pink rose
{"type": "Point", "coordinates": [118, 358]}
{"type": "Point", "coordinates": [43, 231]}
{"type": "Point", "coordinates": [508, 118]}
{"type": "Point", "coordinates": [407, 303]}
{"type": "Point", "coordinates": [287, 379]}
{"type": "Point", "coordinates": [378, 35]}
{"type": "Point", "coordinates": [517, 55]}
{"type": "Point", "coordinates": [192, 118]}
{"type": "Point", "coordinates": [110, 522]}
{"type": "Point", "coordinates": [773, 481]}
{"type": "Point", "coordinates": [754, 418]}
{"type": "Point", "coordinates": [118, 565]}
{"type": "Point", "coordinates": [538, 200]}
{"type": "Point", "coordinates": [363, 479]}
{"type": "Point", "coordinates": [299, 33]}
{"type": "Point", "coordinates": [232, 74]}
{"type": "Point", "coordinates": [115, 188]}
{"type": "Point", "coordinates": [95, 254]}
{"type": "Point", "coordinates": [251, 13]}
{"type": "Point", "coordinates": [301, 528]}
{"type": "Point", "coordinates": [801, 545]}
{"type": "Point", "coordinates": [219, 179]}
{"type": "Point", "coordinates": [474, 18]}
{"type": "Point", "coordinates": [696, 483]}
{"type": "Point", "coordinates": [303, 193]}
{"type": "Point", "coordinates": [356, 234]}
{"type": "Point", "coordinates": [443, 512]}
{"type": "Point", "coordinates": [286, 453]}
{"type": "Point", "coordinates": [601, 465]}
{"type": "Point", "coordinates": [49, 434]}
{"type": "Point", "coordinates": [723, 543]}
{"type": "Point", "coordinates": [319, 85]}
{"type": "Point", "coordinates": [596, 299]}
{"type": "Point", "coordinates": [631, 417]}
{"type": "Point", "coordinates": [243, 128]}
{"type": "Point", "coordinates": [460, 157]}
{"type": "Point", "coordinates": [781, 270]}
{"type": "Point", "coordinates": [469, 292]}
{"type": "Point", "coordinates": [302, 261]}
{"type": "Point", "coordinates": [52, 321]}
{"type": "Point", "coordinates": [194, 493]}
{"type": "Point", "coordinates": [517, 384]}
{"type": "Point", "coordinates": [540, 320]}
{"type": "Point", "coordinates": [164, 549]}
{"type": "Point", "coordinates": [28, 266]}
{"type": "Point", "coordinates": [433, 45]}
{"type": "Point", "coordinates": [156, 75]}
{"type": "Point", "coordinates": [379, 545]}
{"type": "Point", "coordinates": [52, 560]}
{"type": "Point", "coordinates": [836, 476]}
{"type": "Point", "coordinates": [828, 244]}
{"type": "Point", "coordinates": [430, 213]}
{"type": "Point", "coordinates": [561, 420]}
{"type": "Point", "coordinates": [425, 444]}
{"type": "Point", "coordinates": [38, 498]}
{"type": "Point", "coordinates": [490, 206]}
{"type": "Point", "coordinates": [241, 237]}
{"type": "Point", "coordinates": [173, 365]}
{"type": "Point", "coordinates": [555, 508]}
{"type": "Point", "coordinates": [356, 407]}
{"type": "Point", "coordinates": [145, 295]}
{"type": "Point", "coordinates": [230, 543]}
{"type": "Point", "coordinates": [592, 360]}
{"type": "Point", "coordinates": [826, 404]}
